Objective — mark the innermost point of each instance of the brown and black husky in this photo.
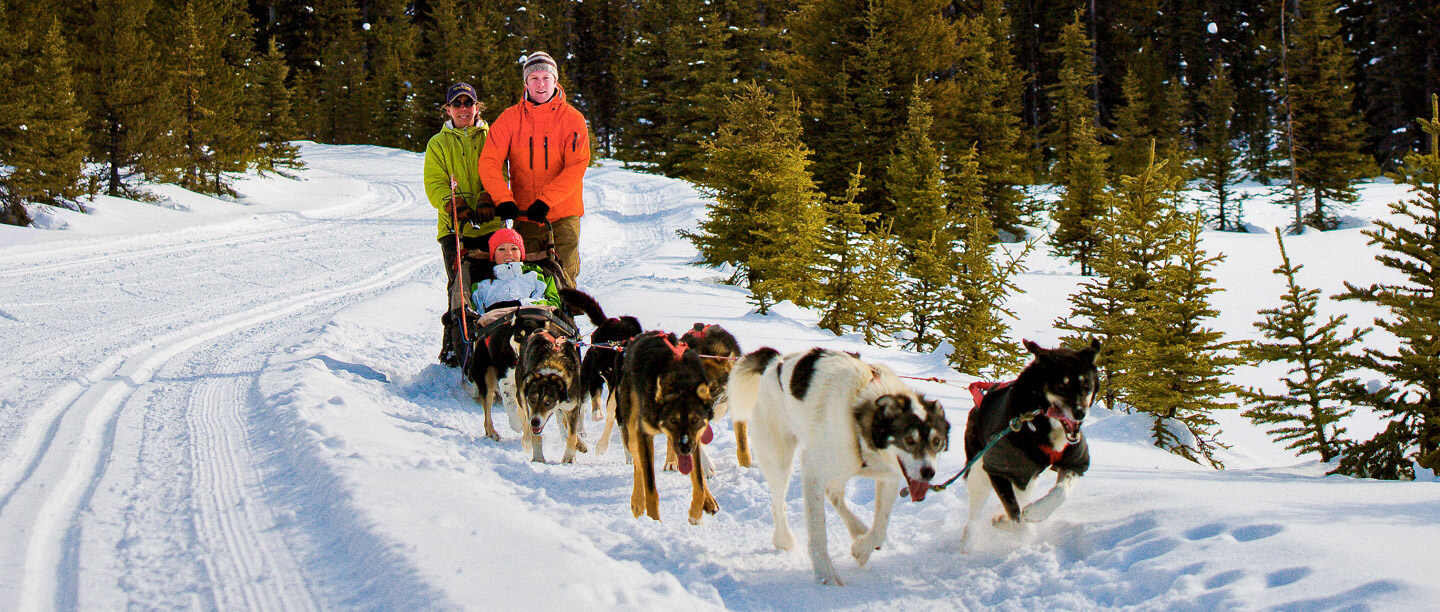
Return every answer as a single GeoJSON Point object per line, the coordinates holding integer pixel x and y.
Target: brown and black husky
{"type": "Point", "coordinates": [664, 391]}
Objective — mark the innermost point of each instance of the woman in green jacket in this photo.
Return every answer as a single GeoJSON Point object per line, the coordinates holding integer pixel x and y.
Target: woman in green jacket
{"type": "Point", "coordinates": [454, 189]}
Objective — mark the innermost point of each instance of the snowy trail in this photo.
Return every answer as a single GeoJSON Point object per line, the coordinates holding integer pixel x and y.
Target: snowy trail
{"type": "Point", "coordinates": [151, 321]}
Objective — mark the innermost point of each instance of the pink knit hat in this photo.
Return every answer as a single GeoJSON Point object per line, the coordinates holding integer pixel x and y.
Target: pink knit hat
{"type": "Point", "coordinates": [504, 235]}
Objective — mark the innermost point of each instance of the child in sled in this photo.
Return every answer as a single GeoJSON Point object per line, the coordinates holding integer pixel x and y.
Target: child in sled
{"type": "Point", "coordinates": [513, 283]}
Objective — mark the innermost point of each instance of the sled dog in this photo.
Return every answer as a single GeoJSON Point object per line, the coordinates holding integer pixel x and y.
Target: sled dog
{"type": "Point", "coordinates": [848, 418]}
{"type": "Point", "coordinates": [546, 382]}
{"type": "Point", "coordinates": [663, 390]}
{"type": "Point", "coordinates": [1061, 382]}
{"type": "Point", "coordinates": [718, 351]}
{"type": "Point", "coordinates": [600, 370]}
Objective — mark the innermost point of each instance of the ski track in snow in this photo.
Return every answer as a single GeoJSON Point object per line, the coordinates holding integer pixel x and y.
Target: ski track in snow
{"type": "Point", "coordinates": [247, 415]}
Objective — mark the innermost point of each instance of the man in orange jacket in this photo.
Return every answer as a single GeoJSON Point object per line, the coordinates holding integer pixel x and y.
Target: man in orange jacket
{"type": "Point", "coordinates": [547, 147]}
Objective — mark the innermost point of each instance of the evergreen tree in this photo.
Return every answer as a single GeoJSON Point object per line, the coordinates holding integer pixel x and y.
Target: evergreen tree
{"type": "Point", "coordinates": [341, 109]}
{"type": "Point", "coordinates": [1175, 366]}
{"type": "Point", "coordinates": [1151, 115]}
{"type": "Point", "coordinates": [1327, 134]}
{"type": "Point", "coordinates": [214, 133]}
{"type": "Point", "coordinates": [451, 52]}
{"type": "Point", "coordinates": [602, 28]}
{"type": "Point", "coordinates": [975, 327]}
{"type": "Point", "coordinates": [656, 62]}
{"type": "Point", "coordinates": [846, 292]}
{"type": "Point", "coordinates": [852, 62]}
{"type": "Point", "coordinates": [499, 70]}
{"type": "Point", "coordinates": [704, 83]}
{"type": "Point", "coordinates": [49, 152]}
{"type": "Point", "coordinates": [767, 216]}
{"type": "Point", "coordinates": [924, 226]}
{"type": "Point", "coordinates": [1411, 400]}
{"type": "Point", "coordinates": [127, 93]}
{"type": "Point", "coordinates": [396, 105]}
{"type": "Point", "coordinates": [1307, 414]}
{"type": "Point", "coordinates": [984, 115]}
{"type": "Point", "coordinates": [1218, 167]}
{"type": "Point", "coordinates": [1142, 226]}
{"type": "Point", "coordinates": [14, 112]}
{"type": "Point", "coordinates": [1080, 166]}
{"type": "Point", "coordinates": [876, 274]}
{"type": "Point", "coordinates": [277, 124]}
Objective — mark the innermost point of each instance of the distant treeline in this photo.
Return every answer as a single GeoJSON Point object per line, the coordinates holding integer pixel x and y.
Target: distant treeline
{"type": "Point", "coordinates": [187, 91]}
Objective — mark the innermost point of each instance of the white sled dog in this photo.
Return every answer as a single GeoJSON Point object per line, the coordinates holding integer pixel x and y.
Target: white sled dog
{"type": "Point", "coordinates": [849, 419]}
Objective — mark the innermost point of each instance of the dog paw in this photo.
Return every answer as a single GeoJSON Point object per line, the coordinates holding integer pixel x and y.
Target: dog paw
{"type": "Point", "coordinates": [669, 466]}
{"type": "Point", "coordinates": [696, 519]}
{"type": "Point", "coordinates": [581, 446]}
{"type": "Point", "coordinates": [861, 550]}
{"type": "Point", "coordinates": [1033, 514]}
{"type": "Point", "coordinates": [493, 435]}
{"type": "Point", "coordinates": [711, 506]}
{"type": "Point", "coordinates": [783, 540]}
{"type": "Point", "coordinates": [637, 507]}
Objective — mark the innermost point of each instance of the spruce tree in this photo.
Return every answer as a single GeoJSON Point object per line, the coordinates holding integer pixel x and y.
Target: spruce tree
{"type": "Point", "coordinates": [1307, 413]}
{"type": "Point", "coordinates": [704, 84]}
{"type": "Point", "coordinates": [846, 292]}
{"type": "Point", "coordinates": [341, 108]}
{"type": "Point", "coordinates": [1175, 366]}
{"type": "Point", "coordinates": [393, 52]}
{"type": "Point", "coordinates": [984, 115]}
{"type": "Point", "coordinates": [451, 51]}
{"type": "Point", "coordinates": [127, 94]}
{"type": "Point", "coordinates": [1151, 114]}
{"type": "Point", "coordinates": [277, 123]}
{"type": "Point", "coordinates": [923, 224]}
{"type": "Point", "coordinates": [1327, 134]}
{"type": "Point", "coordinates": [14, 112]}
{"type": "Point", "coordinates": [767, 216]}
{"type": "Point", "coordinates": [1142, 227]}
{"type": "Point", "coordinates": [215, 132]}
{"type": "Point", "coordinates": [878, 319]}
{"type": "Point", "coordinates": [852, 62]}
{"type": "Point", "coordinates": [1218, 165]}
{"type": "Point", "coordinates": [653, 87]}
{"type": "Point", "coordinates": [1080, 166]}
{"type": "Point", "coordinates": [1411, 400]}
{"type": "Point", "coordinates": [49, 152]}
{"type": "Point", "coordinates": [975, 326]}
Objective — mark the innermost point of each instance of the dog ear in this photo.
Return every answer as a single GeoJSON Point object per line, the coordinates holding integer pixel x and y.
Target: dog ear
{"type": "Point", "coordinates": [703, 390]}
{"type": "Point", "coordinates": [1033, 348]}
{"type": "Point", "coordinates": [1092, 350]}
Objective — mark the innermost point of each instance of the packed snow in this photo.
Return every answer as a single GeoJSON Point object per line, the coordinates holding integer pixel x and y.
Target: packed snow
{"type": "Point", "coordinates": [236, 404]}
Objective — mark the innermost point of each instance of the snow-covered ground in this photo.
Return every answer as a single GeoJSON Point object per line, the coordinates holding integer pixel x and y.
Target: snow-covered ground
{"type": "Point", "coordinates": [236, 405]}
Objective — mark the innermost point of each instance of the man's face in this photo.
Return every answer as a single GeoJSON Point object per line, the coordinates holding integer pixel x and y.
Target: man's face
{"type": "Point", "coordinates": [540, 85]}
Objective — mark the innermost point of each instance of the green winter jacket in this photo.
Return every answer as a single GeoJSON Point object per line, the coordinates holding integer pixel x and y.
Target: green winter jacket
{"type": "Point", "coordinates": [457, 151]}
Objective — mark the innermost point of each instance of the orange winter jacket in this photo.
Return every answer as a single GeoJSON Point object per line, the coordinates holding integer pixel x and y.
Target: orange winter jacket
{"type": "Point", "coordinates": [547, 147]}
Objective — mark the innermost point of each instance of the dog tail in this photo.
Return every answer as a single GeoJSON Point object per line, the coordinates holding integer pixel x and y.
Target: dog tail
{"type": "Point", "coordinates": [744, 389]}
{"type": "Point", "coordinates": [581, 301]}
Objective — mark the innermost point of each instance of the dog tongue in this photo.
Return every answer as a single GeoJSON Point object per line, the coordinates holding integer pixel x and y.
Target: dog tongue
{"type": "Point", "coordinates": [706, 437]}
{"type": "Point", "coordinates": [685, 463]}
{"type": "Point", "coordinates": [918, 489]}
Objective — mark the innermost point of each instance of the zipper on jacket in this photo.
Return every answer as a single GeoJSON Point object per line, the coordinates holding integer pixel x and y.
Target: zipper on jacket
{"type": "Point", "coordinates": [546, 144]}
{"type": "Point", "coordinates": [532, 152]}
{"type": "Point", "coordinates": [575, 141]}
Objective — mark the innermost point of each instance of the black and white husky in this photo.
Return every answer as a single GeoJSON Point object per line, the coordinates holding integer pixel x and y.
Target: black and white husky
{"type": "Point", "coordinates": [849, 418]}
{"type": "Point", "coordinates": [1060, 382]}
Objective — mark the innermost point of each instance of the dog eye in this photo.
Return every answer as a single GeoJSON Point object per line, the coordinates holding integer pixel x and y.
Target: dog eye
{"type": "Point", "coordinates": [910, 440]}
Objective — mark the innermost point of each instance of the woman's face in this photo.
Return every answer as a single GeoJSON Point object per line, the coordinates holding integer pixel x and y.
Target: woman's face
{"type": "Point", "coordinates": [507, 253]}
{"type": "Point", "coordinates": [461, 111]}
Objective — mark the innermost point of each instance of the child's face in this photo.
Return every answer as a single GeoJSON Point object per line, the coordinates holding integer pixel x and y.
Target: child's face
{"type": "Point", "coordinates": [508, 252]}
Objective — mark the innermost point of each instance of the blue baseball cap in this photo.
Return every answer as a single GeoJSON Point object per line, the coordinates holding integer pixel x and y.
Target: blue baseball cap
{"type": "Point", "coordinates": [460, 89]}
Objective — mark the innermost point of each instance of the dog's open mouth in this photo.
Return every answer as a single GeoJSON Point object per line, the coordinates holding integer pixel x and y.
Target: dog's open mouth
{"type": "Point", "coordinates": [918, 488]}
{"type": "Point", "coordinates": [1072, 426]}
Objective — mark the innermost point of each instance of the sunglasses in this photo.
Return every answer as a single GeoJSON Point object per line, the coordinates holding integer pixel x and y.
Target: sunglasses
{"type": "Point", "coordinates": [463, 103]}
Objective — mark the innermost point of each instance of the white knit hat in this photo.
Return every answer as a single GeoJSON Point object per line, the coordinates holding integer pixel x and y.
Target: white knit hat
{"type": "Point", "coordinates": [539, 60]}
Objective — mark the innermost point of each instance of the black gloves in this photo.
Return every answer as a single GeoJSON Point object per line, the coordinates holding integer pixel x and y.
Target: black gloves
{"type": "Point", "coordinates": [537, 211]}
{"type": "Point", "coordinates": [507, 210]}
{"type": "Point", "coordinates": [484, 214]}
{"type": "Point", "coordinates": [459, 210]}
